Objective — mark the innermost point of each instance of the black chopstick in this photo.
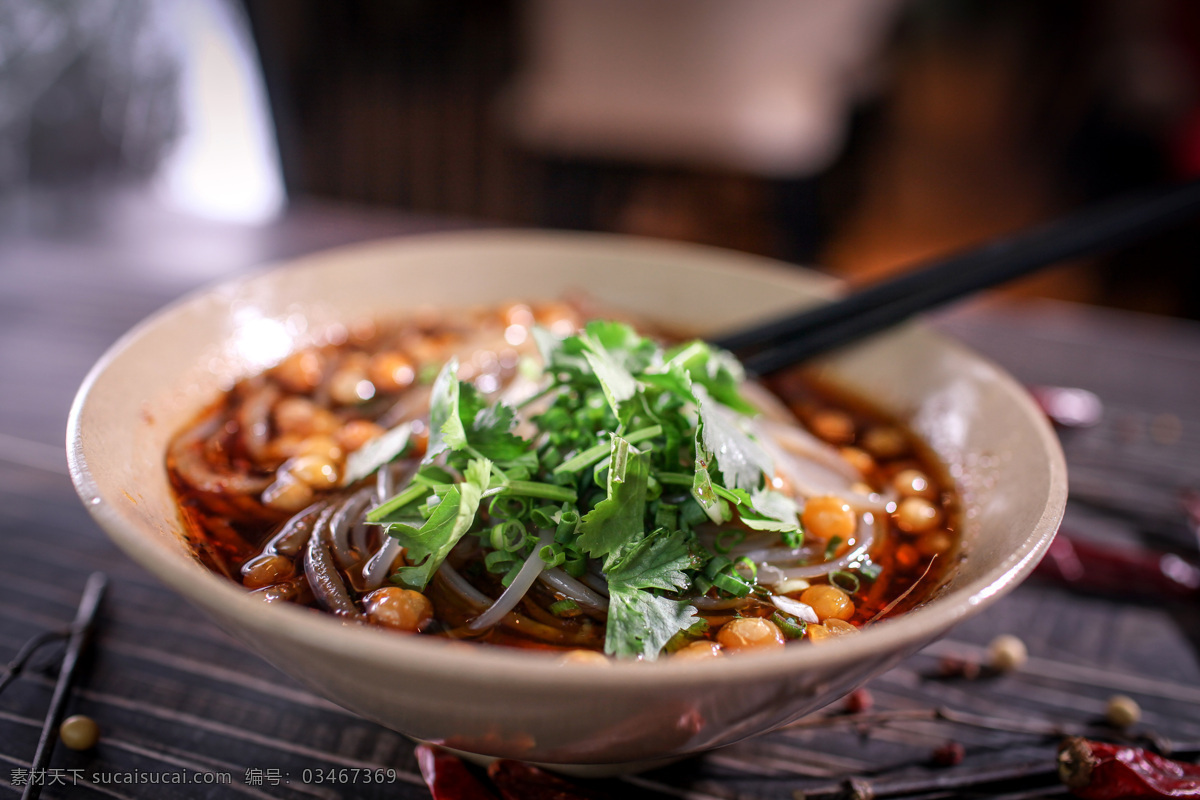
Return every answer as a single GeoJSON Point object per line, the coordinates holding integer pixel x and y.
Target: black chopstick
{"type": "Point", "coordinates": [81, 630]}
{"type": "Point", "coordinates": [795, 337]}
{"type": "Point", "coordinates": [16, 666]}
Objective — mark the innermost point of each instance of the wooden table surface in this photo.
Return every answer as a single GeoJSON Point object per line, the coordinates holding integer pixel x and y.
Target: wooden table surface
{"type": "Point", "coordinates": [187, 713]}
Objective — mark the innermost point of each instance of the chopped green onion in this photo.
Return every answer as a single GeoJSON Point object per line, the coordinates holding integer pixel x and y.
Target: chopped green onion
{"type": "Point", "coordinates": [717, 564]}
{"type": "Point", "coordinates": [792, 539]}
{"type": "Point", "coordinates": [508, 505]}
{"type": "Point", "coordinates": [732, 583]}
{"type": "Point", "coordinates": [412, 493]}
{"type": "Point", "coordinates": [509, 536]}
{"type": "Point", "coordinates": [575, 565]}
{"type": "Point", "coordinates": [430, 475]}
{"type": "Point", "coordinates": [723, 544]}
{"type": "Point", "coordinates": [870, 570]}
{"type": "Point", "coordinates": [498, 561]}
{"type": "Point", "coordinates": [845, 580]}
{"type": "Point", "coordinates": [564, 534]}
{"type": "Point", "coordinates": [596, 452]}
{"type": "Point", "coordinates": [511, 575]}
{"type": "Point", "coordinates": [552, 555]}
{"type": "Point", "coordinates": [744, 565]}
{"type": "Point", "coordinates": [792, 628]}
{"type": "Point", "coordinates": [831, 548]}
{"type": "Point", "coordinates": [543, 518]}
{"type": "Point", "coordinates": [545, 491]}
{"type": "Point", "coordinates": [564, 608]}
{"type": "Point", "coordinates": [728, 495]}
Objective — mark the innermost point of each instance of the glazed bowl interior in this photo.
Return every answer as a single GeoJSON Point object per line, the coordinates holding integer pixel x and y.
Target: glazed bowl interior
{"type": "Point", "coordinates": [980, 425]}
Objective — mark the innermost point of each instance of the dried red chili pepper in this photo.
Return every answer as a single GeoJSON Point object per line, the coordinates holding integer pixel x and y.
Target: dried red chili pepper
{"type": "Point", "coordinates": [1099, 771]}
{"type": "Point", "coordinates": [859, 701]}
{"type": "Point", "coordinates": [448, 777]}
{"type": "Point", "coordinates": [518, 781]}
{"type": "Point", "coordinates": [949, 755]}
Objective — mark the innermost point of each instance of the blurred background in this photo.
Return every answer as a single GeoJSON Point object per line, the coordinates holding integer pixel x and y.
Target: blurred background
{"type": "Point", "coordinates": [857, 135]}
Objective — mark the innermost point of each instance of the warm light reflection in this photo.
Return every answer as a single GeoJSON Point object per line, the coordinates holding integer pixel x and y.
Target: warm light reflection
{"type": "Point", "coordinates": [258, 341]}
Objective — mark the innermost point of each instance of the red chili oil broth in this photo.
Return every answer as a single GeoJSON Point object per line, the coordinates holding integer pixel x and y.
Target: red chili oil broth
{"type": "Point", "coordinates": [225, 531]}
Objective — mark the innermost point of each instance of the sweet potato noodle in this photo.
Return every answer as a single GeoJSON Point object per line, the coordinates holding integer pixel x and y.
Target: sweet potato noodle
{"type": "Point", "coordinates": [513, 476]}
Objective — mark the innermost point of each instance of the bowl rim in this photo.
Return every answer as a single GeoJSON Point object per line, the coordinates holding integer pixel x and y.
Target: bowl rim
{"type": "Point", "coordinates": [495, 666]}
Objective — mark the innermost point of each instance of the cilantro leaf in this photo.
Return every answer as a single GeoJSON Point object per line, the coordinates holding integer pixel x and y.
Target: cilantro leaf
{"type": "Point", "coordinates": [609, 392]}
{"type": "Point", "coordinates": [616, 381]}
{"type": "Point", "coordinates": [375, 453]}
{"type": "Point", "coordinates": [607, 348]}
{"type": "Point", "coordinates": [560, 355]}
{"type": "Point", "coordinates": [612, 352]}
{"type": "Point", "coordinates": [623, 344]}
{"type": "Point", "coordinates": [763, 509]}
{"type": "Point", "coordinates": [461, 419]}
{"type": "Point", "coordinates": [478, 475]}
{"type": "Point", "coordinates": [702, 487]}
{"type": "Point", "coordinates": [640, 623]}
{"type": "Point", "coordinates": [740, 460]}
{"type": "Point", "coordinates": [620, 517]}
{"type": "Point", "coordinates": [427, 547]}
{"type": "Point", "coordinates": [671, 378]}
{"type": "Point", "coordinates": [656, 562]}
{"type": "Point", "coordinates": [490, 431]}
{"type": "Point", "coordinates": [716, 370]}
{"type": "Point", "coordinates": [445, 423]}
{"type": "Point", "coordinates": [772, 511]}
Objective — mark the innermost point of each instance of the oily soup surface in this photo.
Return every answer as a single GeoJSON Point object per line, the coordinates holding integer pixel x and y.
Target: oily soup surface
{"type": "Point", "coordinates": [436, 475]}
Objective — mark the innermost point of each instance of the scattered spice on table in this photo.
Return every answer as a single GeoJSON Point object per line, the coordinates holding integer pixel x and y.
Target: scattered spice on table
{"type": "Point", "coordinates": [949, 754]}
{"type": "Point", "coordinates": [859, 701]}
{"type": "Point", "coordinates": [519, 781]}
{"type": "Point", "coordinates": [955, 667]}
{"type": "Point", "coordinates": [448, 777]}
{"type": "Point", "coordinates": [79, 732]}
{"type": "Point", "coordinates": [1122, 711]}
{"type": "Point", "coordinates": [1006, 653]}
{"type": "Point", "coordinates": [1100, 771]}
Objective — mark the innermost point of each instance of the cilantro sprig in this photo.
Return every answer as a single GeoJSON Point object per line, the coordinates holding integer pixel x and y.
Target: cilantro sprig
{"type": "Point", "coordinates": [636, 446]}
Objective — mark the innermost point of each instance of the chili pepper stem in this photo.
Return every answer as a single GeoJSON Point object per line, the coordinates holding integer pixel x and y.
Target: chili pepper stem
{"type": "Point", "coordinates": [1075, 762]}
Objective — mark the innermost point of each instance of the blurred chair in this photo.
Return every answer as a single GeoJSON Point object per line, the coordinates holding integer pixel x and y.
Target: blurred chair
{"type": "Point", "coordinates": [761, 87]}
{"type": "Point", "coordinates": [700, 120]}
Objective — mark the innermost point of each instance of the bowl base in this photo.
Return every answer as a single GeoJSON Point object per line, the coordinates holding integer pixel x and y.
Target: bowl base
{"type": "Point", "coordinates": [571, 770]}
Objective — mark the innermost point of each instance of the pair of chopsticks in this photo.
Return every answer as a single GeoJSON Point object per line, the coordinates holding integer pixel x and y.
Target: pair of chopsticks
{"type": "Point", "coordinates": [77, 636]}
{"type": "Point", "coordinates": [793, 338]}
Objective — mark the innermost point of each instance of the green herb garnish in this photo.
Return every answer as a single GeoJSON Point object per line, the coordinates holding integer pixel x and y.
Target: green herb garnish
{"type": "Point", "coordinates": [635, 447]}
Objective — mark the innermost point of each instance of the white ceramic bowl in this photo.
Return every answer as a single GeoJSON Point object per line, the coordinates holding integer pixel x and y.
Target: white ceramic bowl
{"type": "Point", "coordinates": [515, 704]}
